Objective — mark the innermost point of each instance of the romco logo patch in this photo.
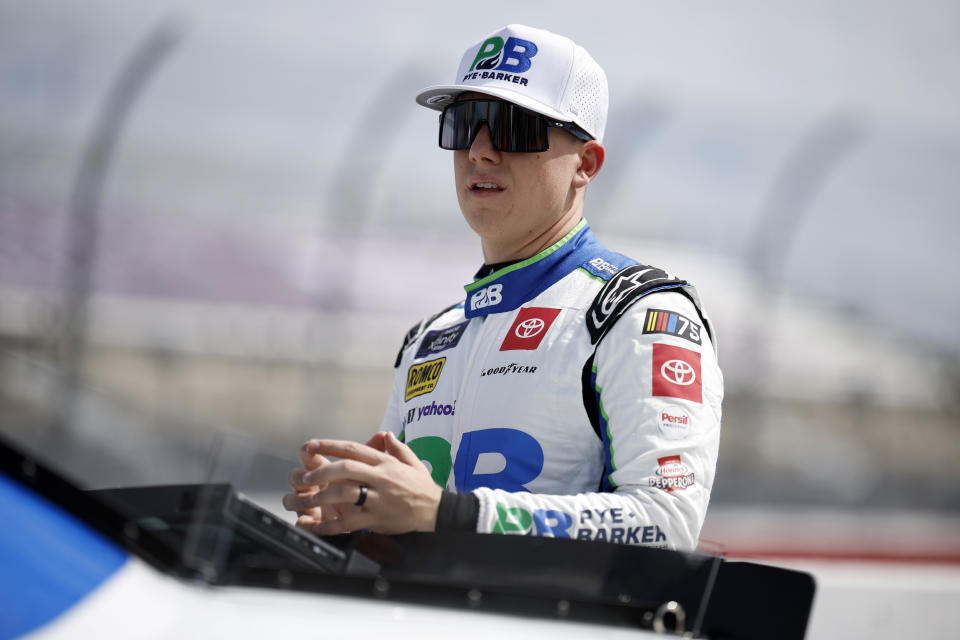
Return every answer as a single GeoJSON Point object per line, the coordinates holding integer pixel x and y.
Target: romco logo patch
{"type": "Point", "coordinates": [502, 60]}
{"type": "Point", "coordinates": [422, 378]}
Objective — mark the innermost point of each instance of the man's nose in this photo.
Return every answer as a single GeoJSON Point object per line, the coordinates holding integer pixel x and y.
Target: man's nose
{"type": "Point", "coordinates": [482, 147]}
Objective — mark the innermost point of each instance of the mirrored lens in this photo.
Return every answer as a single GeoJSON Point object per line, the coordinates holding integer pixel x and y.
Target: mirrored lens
{"type": "Point", "coordinates": [523, 131]}
{"type": "Point", "coordinates": [458, 125]}
{"type": "Point", "coordinates": [512, 128]}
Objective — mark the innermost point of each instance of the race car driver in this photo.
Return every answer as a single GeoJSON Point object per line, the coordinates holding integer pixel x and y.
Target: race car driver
{"type": "Point", "coordinates": [573, 392]}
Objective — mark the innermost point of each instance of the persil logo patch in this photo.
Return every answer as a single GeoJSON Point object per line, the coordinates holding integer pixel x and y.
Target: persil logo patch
{"type": "Point", "coordinates": [499, 60]}
{"type": "Point", "coordinates": [674, 422]}
{"type": "Point", "coordinates": [672, 474]}
{"type": "Point", "coordinates": [422, 378]}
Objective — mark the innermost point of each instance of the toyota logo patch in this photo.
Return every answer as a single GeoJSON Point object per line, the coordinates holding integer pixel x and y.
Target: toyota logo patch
{"type": "Point", "coordinates": [529, 328]}
{"type": "Point", "coordinates": [678, 372]}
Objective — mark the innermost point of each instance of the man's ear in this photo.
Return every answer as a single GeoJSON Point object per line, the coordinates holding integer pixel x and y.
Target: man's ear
{"type": "Point", "coordinates": [591, 160]}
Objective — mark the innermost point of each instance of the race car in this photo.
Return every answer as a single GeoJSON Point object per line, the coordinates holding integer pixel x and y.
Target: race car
{"type": "Point", "coordinates": [202, 560]}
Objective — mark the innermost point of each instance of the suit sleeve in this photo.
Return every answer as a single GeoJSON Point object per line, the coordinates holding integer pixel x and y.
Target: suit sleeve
{"type": "Point", "coordinates": [660, 394]}
{"type": "Point", "coordinates": [392, 418]}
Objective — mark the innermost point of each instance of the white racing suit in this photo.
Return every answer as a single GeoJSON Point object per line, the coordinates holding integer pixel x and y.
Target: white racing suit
{"type": "Point", "coordinates": [576, 393]}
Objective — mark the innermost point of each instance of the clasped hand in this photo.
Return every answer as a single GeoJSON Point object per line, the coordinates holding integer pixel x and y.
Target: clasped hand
{"type": "Point", "coordinates": [399, 496]}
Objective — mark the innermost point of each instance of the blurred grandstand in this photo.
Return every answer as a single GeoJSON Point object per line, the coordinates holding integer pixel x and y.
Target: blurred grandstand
{"type": "Point", "coordinates": [217, 223]}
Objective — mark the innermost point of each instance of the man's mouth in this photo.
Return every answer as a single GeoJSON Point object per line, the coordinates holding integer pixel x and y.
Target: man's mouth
{"type": "Point", "coordinates": [485, 186]}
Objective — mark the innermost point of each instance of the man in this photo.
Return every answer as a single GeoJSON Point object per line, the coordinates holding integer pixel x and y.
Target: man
{"type": "Point", "coordinates": [573, 392]}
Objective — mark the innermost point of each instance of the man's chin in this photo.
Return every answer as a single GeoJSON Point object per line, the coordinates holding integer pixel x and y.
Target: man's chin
{"type": "Point", "coordinates": [485, 222]}
{"type": "Point", "coordinates": [483, 209]}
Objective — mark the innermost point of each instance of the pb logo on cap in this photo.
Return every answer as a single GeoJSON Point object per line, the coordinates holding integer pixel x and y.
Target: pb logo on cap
{"type": "Point", "coordinates": [511, 57]}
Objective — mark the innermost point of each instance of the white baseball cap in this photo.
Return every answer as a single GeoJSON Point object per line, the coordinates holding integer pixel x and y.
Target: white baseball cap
{"type": "Point", "coordinates": [536, 69]}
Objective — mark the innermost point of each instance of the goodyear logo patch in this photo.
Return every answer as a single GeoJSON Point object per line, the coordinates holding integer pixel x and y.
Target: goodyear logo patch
{"type": "Point", "coordinates": [422, 378]}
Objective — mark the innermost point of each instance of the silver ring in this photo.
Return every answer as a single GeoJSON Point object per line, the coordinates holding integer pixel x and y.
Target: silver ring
{"type": "Point", "coordinates": [362, 497]}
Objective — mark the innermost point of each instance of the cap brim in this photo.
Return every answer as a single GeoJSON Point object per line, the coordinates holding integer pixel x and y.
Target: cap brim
{"type": "Point", "coordinates": [439, 96]}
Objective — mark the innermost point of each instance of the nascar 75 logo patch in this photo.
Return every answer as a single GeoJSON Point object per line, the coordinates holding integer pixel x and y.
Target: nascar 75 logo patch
{"type": "Point", "coordinates": [671, 323]}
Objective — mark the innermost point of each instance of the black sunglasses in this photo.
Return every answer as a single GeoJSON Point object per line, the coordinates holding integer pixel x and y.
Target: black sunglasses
{"type": "Point", "coordinates": [513, 129]}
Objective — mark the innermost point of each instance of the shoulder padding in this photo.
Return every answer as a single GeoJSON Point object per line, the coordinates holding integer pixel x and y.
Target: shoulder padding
{"type": "Point", "coordinates": [416, 331]}
{"type": "Point", "coordinates": [619, 293]}
{"type": "Point", "coordinates": [624, 289]}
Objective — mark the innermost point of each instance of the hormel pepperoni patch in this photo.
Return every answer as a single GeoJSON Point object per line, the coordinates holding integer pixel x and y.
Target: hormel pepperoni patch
{"type": "Point", "coordinates": [529, 328]}
{"type": "Point", "coordinates": [676, 373]}
{"type": "Point", "coordinates": [672, 474]}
